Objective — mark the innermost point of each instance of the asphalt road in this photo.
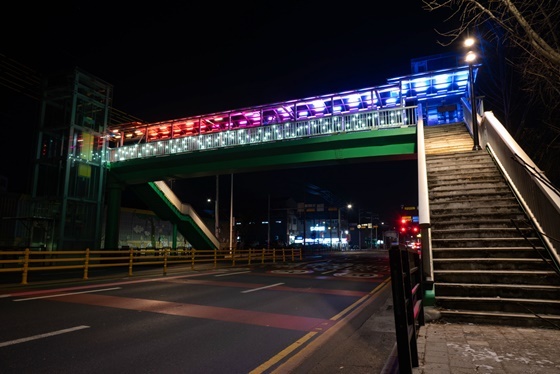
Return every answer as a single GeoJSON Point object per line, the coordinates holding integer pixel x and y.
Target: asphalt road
{"type": "Point", "coordinates": [262, 319]}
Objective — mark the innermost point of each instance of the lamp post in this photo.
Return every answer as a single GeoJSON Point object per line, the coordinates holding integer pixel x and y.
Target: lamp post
{"type": "Point", "coordinates": [349, 206]}
{"type": "Point", "coordinates": [359, 227]}
{"type": "Point", "coordinates": [216, 210]}
{"type": "Point", "coordinates": [470, 58]}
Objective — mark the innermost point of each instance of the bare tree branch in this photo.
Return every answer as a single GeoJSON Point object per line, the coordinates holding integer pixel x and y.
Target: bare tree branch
{"type": "Point", "coordinates": [522, 54]}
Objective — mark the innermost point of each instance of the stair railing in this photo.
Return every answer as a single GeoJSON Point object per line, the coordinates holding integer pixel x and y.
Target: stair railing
{"type": "Point", "coordinates": [424, 211]}
{"type": "Point", "coordinates": [536, 194]}
{"type": "Point", "coordinates": [546, 259]}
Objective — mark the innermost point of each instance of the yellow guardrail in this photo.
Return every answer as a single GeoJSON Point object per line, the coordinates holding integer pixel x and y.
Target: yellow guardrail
{"type": "Point", "coordinates": [26, 261]}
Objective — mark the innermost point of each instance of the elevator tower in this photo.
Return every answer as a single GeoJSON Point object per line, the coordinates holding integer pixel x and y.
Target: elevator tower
{"type": "Point", "coordinates": [68, 170]}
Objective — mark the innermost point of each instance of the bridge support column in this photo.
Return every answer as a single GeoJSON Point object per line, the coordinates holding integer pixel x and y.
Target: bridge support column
{"type": "Point", "coordinates": [113, 215]}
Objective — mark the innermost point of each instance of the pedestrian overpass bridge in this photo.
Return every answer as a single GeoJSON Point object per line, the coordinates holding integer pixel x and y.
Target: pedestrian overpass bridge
{"type": "Point", "coordinates": [377, 123]}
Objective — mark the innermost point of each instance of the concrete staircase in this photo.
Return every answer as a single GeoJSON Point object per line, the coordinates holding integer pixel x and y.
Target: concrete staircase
{"type": "Point", "coordinates": [489, 264]}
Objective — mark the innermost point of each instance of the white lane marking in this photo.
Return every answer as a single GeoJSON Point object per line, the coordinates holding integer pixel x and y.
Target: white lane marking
{"type": "Point", "coordinates": [262, 288]}
{"type": "Point", "coordinates": [66, 294]}
{"type": "Point", "coordinates": [294, 271]}
{"type": "Point", "coordinates": [226, 274]}
{"type": "Point", "coordinates": [23, 340]}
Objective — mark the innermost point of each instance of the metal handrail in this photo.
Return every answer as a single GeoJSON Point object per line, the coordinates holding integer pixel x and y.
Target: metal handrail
{"type": "Point", "coordinates": [27, 261]}
{"type": "Point", "coordinates": [424, 205]}
{"type": "Point", "coordinates": [536, 195]}
{"type": "Point", "coordinates": [351, 122]}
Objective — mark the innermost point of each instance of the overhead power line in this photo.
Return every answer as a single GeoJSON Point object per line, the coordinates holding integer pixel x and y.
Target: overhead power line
{"type": "Point", "coordinates": [26, 81]}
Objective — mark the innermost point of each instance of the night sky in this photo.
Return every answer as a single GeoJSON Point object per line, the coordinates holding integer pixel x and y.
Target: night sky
{"type": "Point", "coordinates": [172, 61]}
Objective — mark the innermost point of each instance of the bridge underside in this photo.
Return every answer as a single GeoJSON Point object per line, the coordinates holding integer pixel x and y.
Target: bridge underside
{"type": "Point", "coordinates": [326, 150]}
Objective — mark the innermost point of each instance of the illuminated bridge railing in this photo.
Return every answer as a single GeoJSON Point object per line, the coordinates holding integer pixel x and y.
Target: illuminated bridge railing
{"type": "Point", "coordinates": [361, 121]}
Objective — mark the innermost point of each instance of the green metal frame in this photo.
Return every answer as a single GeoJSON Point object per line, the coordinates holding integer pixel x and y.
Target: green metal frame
{"type": "Point", "coordinates": [395, 143]}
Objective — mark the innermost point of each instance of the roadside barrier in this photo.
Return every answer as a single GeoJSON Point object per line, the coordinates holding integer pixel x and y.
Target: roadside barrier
{"type": "Point", "coordinates": [406, 282]}
{"type": "Point", "coordinates": [27, 261]}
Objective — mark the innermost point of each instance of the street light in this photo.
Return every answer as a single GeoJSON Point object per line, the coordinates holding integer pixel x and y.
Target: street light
{"type": "Point", "coordinates": [349, 206]}
{"type": "Point", "coordinates": [470, 59]}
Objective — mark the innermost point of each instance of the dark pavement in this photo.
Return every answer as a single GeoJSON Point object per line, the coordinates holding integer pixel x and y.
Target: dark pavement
{"type": "Point", "coordinates": [443, 347]}
{"type": "Point", "coordinates": [364, 341]}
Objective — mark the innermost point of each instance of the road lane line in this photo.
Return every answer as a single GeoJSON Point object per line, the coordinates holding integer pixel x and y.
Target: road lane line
{"type": "Point", "coordinates": [284, 353]}
{"type": "Point", "coordinates": [66, 294]}
{"type": "Point", "coordinates": [120, 282]}
{"type": "Point", "coordinates": [307, 350]}
{"type": "Point", "coordinates": [41, 336]}
{"type": "Point", "coordinates": [226, 274]}
{"type": "Point", "coordinates": [262, 288]}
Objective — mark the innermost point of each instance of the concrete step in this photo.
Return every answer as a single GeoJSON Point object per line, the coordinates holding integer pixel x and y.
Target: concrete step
{"type": "Point", "coordinates": [501, 318]}
{"type": "Point", "coordinates": [484, 242]}
{"type": "Point", "coordinates": [449, 215]}
{"type": "Point", "coordinates": [541, 291]}
{"type": "Point", "coordinates": [494, 263]}
{"type": "Point", "coordinates": [472, 202]}
{"type": "Point", "coordinates": [466, 180]}
{"type": "Point", "coordinates": [534, 277]}
{"type": "Point", "coordinates": [470, 187]}
{"type": "Point", "coordinates": [448, 162]}
{"type": "Point", "coordinates": [470, 194]}
{"type": "Point", "coordinates": [489, 252]}
{"type": "Point", "coordinates": [458, 157]}
{"type": "Point", "coordinates": [509, 211]}
{"type": "Point", "coordinates": [459, 168]}
{"type": "Point", "coordinates": [499, 304]}
{"type": "Point", "coordinates": [483, 232]}
{"type": "Point", "coordinates": [466, 223]}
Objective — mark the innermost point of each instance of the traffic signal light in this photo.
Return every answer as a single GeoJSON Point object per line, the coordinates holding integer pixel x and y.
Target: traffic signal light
{"type": "Point", "coordinates": [407, 226]}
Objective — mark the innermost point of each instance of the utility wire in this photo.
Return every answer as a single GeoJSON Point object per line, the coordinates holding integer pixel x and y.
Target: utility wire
{"type": "Point", "coordinates": [26, 81]}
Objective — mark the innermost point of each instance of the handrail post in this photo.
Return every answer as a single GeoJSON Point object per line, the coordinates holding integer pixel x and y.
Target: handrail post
{"type": "Point", "coordinates": [165, 254]}
{"type": "Point", "coordinates": [130, 261]}
{"type": "Point", "coordinates": [406, 283]}
{"type": "Point", "coordinates": [86, 264]}
{"type": "Point", "coordinates": [25, 266]}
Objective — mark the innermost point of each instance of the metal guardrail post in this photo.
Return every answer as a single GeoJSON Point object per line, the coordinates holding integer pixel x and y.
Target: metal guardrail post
{"type": "Point", "coordinates": [406, 283]}
{"type": "Point", "coordinates": [165, 254]}
{"type": "Point", "coordinates": [86, 264]}
{"type": "Point", "coordinates": [25, 266]}
{"type": "Point", "coordinates": [130, 261]}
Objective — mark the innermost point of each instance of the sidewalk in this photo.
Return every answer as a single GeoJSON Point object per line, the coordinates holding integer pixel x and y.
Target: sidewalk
{"type": "Point", "coordinates": [468, 348]}
{"type": "Point", "coordinates": [369, 347]}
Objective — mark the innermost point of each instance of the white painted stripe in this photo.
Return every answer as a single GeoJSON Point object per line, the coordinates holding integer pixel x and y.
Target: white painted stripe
{"type": "Point", "coordinates": [66, 294]}
{"type": "Point", "coordinates": [262, 288]}
{"type": "Point", "coordinates": [23, 340]}
{"type": "Point", "coordinates": [226, 274]}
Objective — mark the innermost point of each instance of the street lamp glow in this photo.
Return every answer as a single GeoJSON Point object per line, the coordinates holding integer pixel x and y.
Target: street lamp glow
{"type": "Point", "coordinates": [471, 57]}
{"type": "Point", "coordinates": [469, 42]}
